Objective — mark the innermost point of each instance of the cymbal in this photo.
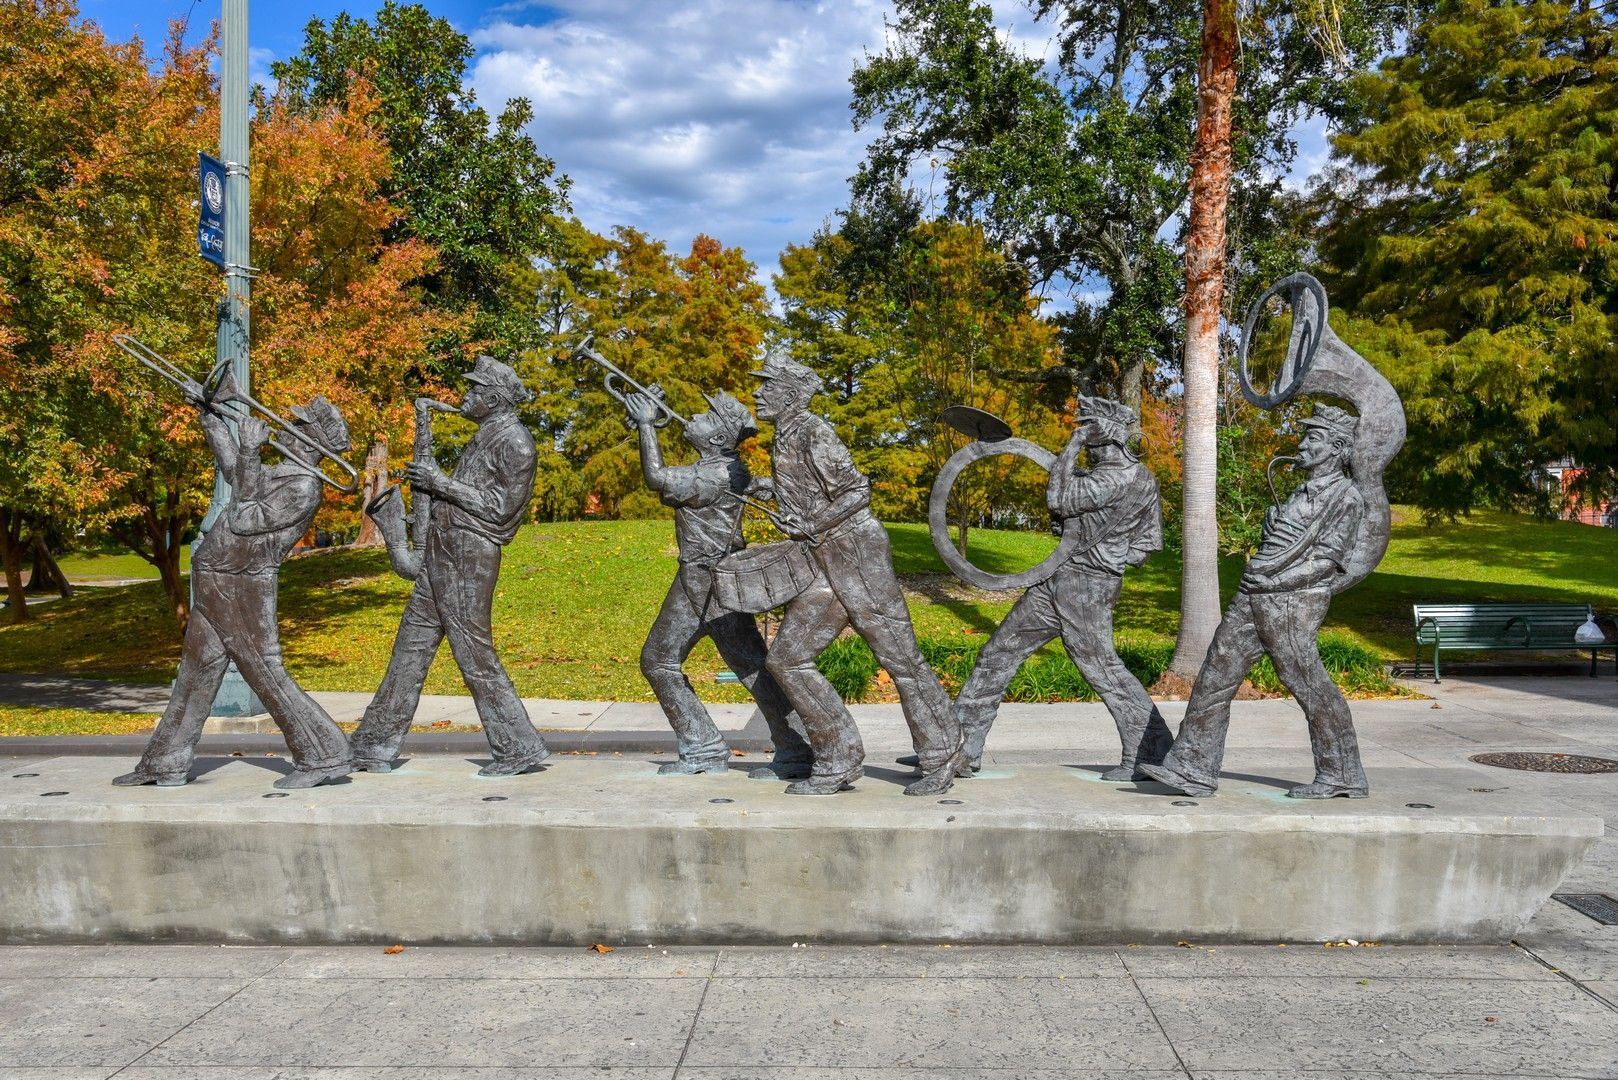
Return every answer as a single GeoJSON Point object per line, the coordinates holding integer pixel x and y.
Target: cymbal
{"type": "Point", "coordinates": [976, 423]}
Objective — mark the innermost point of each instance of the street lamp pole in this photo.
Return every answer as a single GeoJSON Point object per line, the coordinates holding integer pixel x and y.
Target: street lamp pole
{"type": "Point", "coordinates": [235, 697]}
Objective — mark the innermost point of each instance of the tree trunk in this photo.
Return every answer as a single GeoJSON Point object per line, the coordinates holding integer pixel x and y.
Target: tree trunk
{"type": "Point", "coordinates": [11, 557]}
{"type": "Point", "coordinates": [963, 524]}
{"type": "Point", "coordinates": [1204, 281]}
{"type": "Point", "coordinates": [376, 482]}
{"type": "Point", "coordinates": [47, 574]}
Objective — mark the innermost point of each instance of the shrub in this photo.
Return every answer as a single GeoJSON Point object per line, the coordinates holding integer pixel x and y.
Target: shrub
{"type": "Point", "coordinates": [849, 665]}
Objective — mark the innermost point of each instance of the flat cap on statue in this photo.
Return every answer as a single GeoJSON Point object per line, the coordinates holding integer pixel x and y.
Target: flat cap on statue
{"type": "Point", "coordinates": [327, 422]}
{"type": "Point", "coordinates": [1101, 408]}
{"type": "Point", "coordinates": [780, 366]}
{"type": "Point", "coordinates": [492, 373]}
{"type": "Point", "coordinates": [1335, 421]}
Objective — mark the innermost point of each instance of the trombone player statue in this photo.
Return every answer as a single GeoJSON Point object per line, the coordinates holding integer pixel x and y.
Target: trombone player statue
{"type": "Point", "coordinates": [474, 513]}
{"type": "Point", "coordinates": [233, 581]}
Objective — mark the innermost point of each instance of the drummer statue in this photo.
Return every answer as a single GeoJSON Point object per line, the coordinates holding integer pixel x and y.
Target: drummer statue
{"type": "Point", "coordinates": [1113, 505]}
{"type": "Point", "coordinates": [707, 501]}
{"type": "Point", "coordinates": [823, 501]}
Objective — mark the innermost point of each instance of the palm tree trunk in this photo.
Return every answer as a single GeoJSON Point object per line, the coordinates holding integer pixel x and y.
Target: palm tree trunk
{"type": "Point", "coordinates": [1204, 281]}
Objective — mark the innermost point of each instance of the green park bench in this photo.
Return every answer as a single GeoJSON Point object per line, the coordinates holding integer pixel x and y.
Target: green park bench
{"type": "Point", "coordinates": [1525, 627]}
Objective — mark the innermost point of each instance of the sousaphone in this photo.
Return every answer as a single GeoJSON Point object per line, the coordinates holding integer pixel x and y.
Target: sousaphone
{"type": "Point", "coordinates": [1317, 362]}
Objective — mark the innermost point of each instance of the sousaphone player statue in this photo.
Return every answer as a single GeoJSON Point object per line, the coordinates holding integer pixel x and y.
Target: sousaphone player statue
{"type": "Point", "coordinates": [1329, 534]}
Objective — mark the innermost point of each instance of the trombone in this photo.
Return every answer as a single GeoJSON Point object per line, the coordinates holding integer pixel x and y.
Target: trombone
{"type": "Point", "coordinates": [219, 389]}
{"type": "Point", "coordinates": [615, 373]}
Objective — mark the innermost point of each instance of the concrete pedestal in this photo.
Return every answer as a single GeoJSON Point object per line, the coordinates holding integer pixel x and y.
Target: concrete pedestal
{"type": "Point", "coordinates": [605, 850]}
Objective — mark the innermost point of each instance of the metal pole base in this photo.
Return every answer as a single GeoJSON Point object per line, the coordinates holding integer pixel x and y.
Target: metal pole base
{"type": "Point", "coordinates": [235, 697]}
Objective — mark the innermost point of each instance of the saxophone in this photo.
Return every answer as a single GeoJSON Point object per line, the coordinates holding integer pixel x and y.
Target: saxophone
{"type": "Point", "coordinates": [406, 534]}
{"type": "Point", "coordinates": [1317, 362]}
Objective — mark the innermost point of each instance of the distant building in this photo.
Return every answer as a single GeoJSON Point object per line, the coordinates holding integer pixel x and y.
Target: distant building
{"type": "Point", "coordinates": [1560, 476]}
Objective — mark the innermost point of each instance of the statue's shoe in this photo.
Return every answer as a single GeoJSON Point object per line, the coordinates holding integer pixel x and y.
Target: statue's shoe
{"type": "Point", "coordinates": [516, 766]}
{"type": "Point", "coordinates": [782, 770]}
{"type": "Point", "coordinates": [1169, 778]}
{"type": "Point", "coordinates": [1125, 771]}
{"type": "Point", "coordinates": [1323, 789]}
{"type": "Point", "coordinates": [941, 778]}
{"type": "Point", "coordinates": [372, 765]}
{"type": "Point", "coordinates": [826, 785]}
{"type": "Point", "coordinates": [965, 773]}
{"type": "Point", "coordinates": [140, 777]}
{"type": "Point", "coordinates": [690, 768]}
{"type": "Point", "coordinates": [308, 778]}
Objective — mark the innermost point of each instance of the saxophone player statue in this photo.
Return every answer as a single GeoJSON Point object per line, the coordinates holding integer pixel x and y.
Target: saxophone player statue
{"type": "Point", "coordinates": [473, 514]}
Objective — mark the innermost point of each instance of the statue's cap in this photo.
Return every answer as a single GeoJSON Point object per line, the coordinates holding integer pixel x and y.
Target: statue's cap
{"type": "Point", "coordinates": [780, 366]}
{"type": "Point", "coordinates": [327, 422]}
{"type": "Point", "coordinates": [1100, 408]}
{"type": "Point", "coordinates": [491, 372]}
{"type": "Point", "coordinates": [1333, 421]}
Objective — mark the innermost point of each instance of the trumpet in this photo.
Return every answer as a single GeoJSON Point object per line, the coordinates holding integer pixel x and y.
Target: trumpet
{"type": "Point", "coordinates": [219, 389]}
{"type": "Point", "coordinates": [616, 375]}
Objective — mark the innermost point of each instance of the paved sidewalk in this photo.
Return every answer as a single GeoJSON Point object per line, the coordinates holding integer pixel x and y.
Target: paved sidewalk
{"type": "Point", "coordinates": [1545, 1007]}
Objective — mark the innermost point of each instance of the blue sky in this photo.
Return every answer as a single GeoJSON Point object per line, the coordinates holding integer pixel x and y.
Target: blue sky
{"type": "Point", "coordinates": [728, 117]}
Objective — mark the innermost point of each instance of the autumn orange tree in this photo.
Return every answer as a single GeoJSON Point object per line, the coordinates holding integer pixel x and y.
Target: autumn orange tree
{"type": "Point", "coordinates": [97, 237]}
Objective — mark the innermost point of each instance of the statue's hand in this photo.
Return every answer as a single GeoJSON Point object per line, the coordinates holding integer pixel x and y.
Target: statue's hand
{"type": "Point", "coordinates": [762, 487]}
{"type": "Point", "coordinates": [424, 476]}
{"type": "Point", "coordinates": [252, 432]}
{"type": "Point", "coordinates": [642, 409]}
{"type": "Point", "coordinates": [793, 527]}
{"type": "Point", "coordinates": [192, 392]}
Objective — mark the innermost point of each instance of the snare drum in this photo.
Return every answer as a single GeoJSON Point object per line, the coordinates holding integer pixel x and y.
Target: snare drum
{"type": "Point", "coordinates": [757, 579]}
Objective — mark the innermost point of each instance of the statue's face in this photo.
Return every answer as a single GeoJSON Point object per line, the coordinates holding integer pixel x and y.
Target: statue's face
{"type": "Point", "coordinates": [480, 402]}
{"type": "Point", "coordinates": [705, 433]}
{"type": "Point", "coordinates": [1317, 448]}
{"type": "Point", "coordinates": [1095, 432]}
{"type": "Point", "coordinates": [772, 399]}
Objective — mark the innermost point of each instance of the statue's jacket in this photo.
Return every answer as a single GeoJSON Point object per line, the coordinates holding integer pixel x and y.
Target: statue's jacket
{"type": "Point", "coordinates": [495, 476]}
{"type": "Point", "coordinates": [813, 470]}
{"type": "Point", "coordinates": [1319, 520]}
{"type": "Point", "coordinates": [1115, 507]}
{"type": "Point", "coordinates": [270, 510]}
{"type": "Point", "coordinates": [707, 512]}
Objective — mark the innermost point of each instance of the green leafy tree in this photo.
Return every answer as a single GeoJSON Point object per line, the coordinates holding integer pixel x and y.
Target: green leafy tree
{"type": "Point", "coordinates": [1473, 230]}
{"type": "Point", "coordinates": [477, 189]}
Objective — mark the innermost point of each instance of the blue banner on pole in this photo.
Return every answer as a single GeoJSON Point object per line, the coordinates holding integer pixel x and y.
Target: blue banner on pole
{"type": "Point", "coordinates": [211, 221]}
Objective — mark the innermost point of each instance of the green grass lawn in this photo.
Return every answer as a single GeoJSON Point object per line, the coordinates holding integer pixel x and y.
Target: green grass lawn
{"type": "Point", "coordinates": [576, 599]}
{"type": "Point", "coordinates": [113, 565]}
{"type": "Point", "coordinates": [25, 720]}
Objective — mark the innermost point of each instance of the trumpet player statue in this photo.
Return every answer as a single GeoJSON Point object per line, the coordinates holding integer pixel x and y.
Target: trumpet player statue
{"type": "Point", "coordinates": [474, 513]}
{"type": "Point", "coordinates": [1114, 506]}
{"type": "Point", "coordinates": [824, 503]}
{"type": "Point", "coordinates": [233, 583]}
{"type": "Point", "coordinates": [707, 501]}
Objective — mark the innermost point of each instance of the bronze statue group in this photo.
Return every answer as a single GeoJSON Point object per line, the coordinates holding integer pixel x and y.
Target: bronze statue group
{"type": "Point", "coordinates": [834, 571]}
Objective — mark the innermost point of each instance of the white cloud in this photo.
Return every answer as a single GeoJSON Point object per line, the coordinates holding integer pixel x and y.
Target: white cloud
{"type": "Point", "coordinates": [728, 117]}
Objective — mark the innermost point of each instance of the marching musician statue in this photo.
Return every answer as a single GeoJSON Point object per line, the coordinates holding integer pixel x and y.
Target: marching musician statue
{"type": "Point", "coordinates": [824, 502]}
{"type": "Point", "coordinates": [233, 582]}
{"type": "Point", "coordinates": [475, 512]}
{"type": "Point", "coordinates": [1114, 506]}
{"type": "Point", "coordinates": [1280, 603]}
{"type": "Point", "coordinates": [707, 501]}
{"type": "Point", "coordinates": [1328, 535]}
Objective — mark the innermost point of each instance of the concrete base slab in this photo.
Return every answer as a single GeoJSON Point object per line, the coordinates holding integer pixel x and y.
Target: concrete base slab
{"type": "Point", "coordinates": [598, 850]}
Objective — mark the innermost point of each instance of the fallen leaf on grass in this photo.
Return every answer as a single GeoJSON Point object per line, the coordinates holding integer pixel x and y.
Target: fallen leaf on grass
{"type": "Point", "coordinates": [393, 950]}
{"type": "Point", "coordinates": [600, 948]}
